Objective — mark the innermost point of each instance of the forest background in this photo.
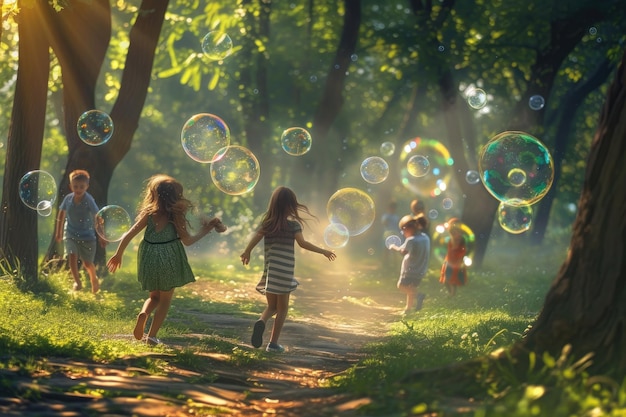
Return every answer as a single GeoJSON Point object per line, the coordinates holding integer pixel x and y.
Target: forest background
{"type": "Point", "coordinates": [356, 74]}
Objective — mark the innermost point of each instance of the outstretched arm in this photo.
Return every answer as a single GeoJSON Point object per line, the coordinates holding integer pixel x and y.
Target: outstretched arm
{"type": "Point", "coordinates": [305, 244]}
{"type": "Point", "coordinates": [245, 256]}
{"type": "Point", "coordinates": [116, 260]}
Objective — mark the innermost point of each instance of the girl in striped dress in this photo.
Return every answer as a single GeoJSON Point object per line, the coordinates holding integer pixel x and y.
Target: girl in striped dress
{"type": "Point", "coordinates": [280, 228]}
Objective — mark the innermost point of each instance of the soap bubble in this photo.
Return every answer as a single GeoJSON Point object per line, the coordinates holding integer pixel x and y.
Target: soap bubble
{"type": "Point", "coordinates": [439, 167]}
{"type": "Point", "coordinates": [203, 135]}
{"type": "Point", "coordinates": [516, 168]}
{"type": "Point", "coordinates": [476, 98]}
{"type": "Point", "coordinates": [296, 141]}
{"type": "Point", "coordinates": [217, 45]}
{"type": "Point", "coordinates": [515, 219]}
{"type": "Point", "coordinates": [44, 208]}
{"type": "Point", "coordinates": [447, 203]}
{"type": "Point", "coordinates": [433, 214]}
{"type": "Point", "coordinates": [387, 148]}
{"type": "Point", "coordinates": [536, 102]}
{"type": "Point", "coordinates": [235, 170]}
{"type": "Point", "coordinates": [353, 208]}
{"type": "Point", "coordinates": [94, 127]}
{"type": "Point", "coordinates": [336, 235]}
{"type": "Point", "coordinates": [441, 237]}
{"type": "Point", "coordinates": [393, 240]}
{"type": "Point", "coordinates": [472, 177]}
{"type": "Point", "coordinates": [112, 222]}
{"type": "Point", "coordinates": [374, 170]}
{"type": "Point", "coordinates": [418, 165]}
{"type": "Point", "coordinates": [37, 187]}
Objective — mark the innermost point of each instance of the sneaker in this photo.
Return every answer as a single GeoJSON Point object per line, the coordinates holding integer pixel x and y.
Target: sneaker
{"type": "Point", "coordinates": [257, 333]}
{"type": "Point", "coordinates": [420, 301]}
{"type": "Point", "coordinates": [274, 348]}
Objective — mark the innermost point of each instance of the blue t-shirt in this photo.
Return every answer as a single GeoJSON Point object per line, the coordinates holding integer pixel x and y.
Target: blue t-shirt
{"type": "Point", "coordinates": [415, 261]}
{"type": "Point", "coordinates": [79, 218]}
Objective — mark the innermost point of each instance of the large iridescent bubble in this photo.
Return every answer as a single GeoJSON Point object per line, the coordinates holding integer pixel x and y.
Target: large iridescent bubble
{"type": "Point", "coordinates": [203, 135]}
{"type": "Point", "coordinates": [336, 235]}
{"type": "Point", "coordinates": [38, 190]}
{"type": "Point", "coordinates": [235, 170]}
{"type": "Point", "coordinates": [112, 222]}
{"type": "Point", "coordinates": [441, 237]}
{"type": "Point", "coordinates": [516, 168]}
{"type": "Point", "coordinates": [94, 127]}
{"type": "Point", "coordinates": [296, 141]}
{"type": "Point", "coordinates": [352, 208]}
{"type": "Point", "coordinates": [374, 169]}
{"type": "Point", "coordinates": [439, 172]}
{"type": "Point", "coordinates": [217, 45]}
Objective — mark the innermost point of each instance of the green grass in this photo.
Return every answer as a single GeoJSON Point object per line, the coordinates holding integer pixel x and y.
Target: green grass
{"type": "Point", "coordinates": [444, 360]}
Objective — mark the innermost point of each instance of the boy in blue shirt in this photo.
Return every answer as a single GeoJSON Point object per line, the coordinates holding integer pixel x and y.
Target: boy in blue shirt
{"type": "Point", "coordinates": [76, 227]}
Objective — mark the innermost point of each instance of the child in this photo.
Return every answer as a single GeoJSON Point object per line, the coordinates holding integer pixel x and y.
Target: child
{"type": "Point", "coordinates": [389, 221]}
{"type": "Point", "coordinates": [280, 227]}
{"type": "Point", "coordinates": [419, 209]}
{"type": "Point", "coordinates": [75, 226]}
{"type": "Point", "coordinates": [453, 270]}
{"type": "Point", "coordinates": [162, 263]}
{"type": "Point", "coordinates": [416, 251]}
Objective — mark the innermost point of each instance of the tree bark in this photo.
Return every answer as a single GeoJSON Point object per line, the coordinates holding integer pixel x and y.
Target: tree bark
{"type": "Point", "coordinates": [584, 306]}
{"type": "Point", "coordinates": [18, 231]}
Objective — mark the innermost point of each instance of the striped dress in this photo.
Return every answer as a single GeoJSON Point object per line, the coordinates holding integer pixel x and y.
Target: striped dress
{"type": "Point", "coordinates": [278, 272]}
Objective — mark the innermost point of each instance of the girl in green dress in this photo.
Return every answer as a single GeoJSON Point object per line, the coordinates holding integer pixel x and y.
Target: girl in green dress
{"type": "Point", "coordinates": [162, 263]}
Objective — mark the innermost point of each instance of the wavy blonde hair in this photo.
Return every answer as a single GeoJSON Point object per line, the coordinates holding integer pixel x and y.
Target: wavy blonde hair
{"type": "Point", "coordinates": [164, 194]}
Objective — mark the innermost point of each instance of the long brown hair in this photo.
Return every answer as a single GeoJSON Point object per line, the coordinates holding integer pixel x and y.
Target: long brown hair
{"type": "Point", "coordinates": [163, 194]}
{"type": "Point", "coordinates": [283, 205]}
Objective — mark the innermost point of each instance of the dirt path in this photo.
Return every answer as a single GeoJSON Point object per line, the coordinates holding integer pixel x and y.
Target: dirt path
{"type": "Point", "coordinates": [336, 322]}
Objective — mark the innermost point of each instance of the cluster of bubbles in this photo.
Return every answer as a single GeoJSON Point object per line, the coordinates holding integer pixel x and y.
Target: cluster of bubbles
{"type": "Point", "coordinates": [352, 209]}
{"type": "Point", "coordinates": [38, 191]}
{"type": "Point", "coordinates": [217, 45]}
{"type": "Point", "coordinates": [441, 238]}
{"type": "Point", "coordinates": [296, 141]}
{"type": "Point", "coordinates": [94, 127]}
{"type": "Point", "coordinates": [112, 222]}
{"type": "Point", "coordinates": [426, 167]}
{"type": "Point", "coordinates": [518, 170]}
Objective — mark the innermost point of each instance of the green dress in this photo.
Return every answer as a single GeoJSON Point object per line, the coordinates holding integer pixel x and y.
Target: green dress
{"type": "Point", "coordinates": [161, 259]}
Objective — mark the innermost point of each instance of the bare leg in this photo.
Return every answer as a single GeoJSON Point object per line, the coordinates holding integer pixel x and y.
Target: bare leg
{"type": "Point", "coordinates": [93, 278]}
{"type": "Point", "coordinates": [148, 307]}
{"type": "Point", "coordinates": [410, 296]}
{"type": "Point", "coordinates": [73, 260]}
{"type": "Point", "coordinates": [165, 300]}
{"type": "Point", "coordinates": [270, 309]}
{"type": "Point", "coordinates": [282, 307]}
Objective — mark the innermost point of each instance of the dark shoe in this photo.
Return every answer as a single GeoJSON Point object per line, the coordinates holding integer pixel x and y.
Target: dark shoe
{"type": "Point", "coordinates": [257, 333]}
{"type": "Point", "coordinates": [420, 301]}
{"type": "Point", "coordinates": [274, 348]}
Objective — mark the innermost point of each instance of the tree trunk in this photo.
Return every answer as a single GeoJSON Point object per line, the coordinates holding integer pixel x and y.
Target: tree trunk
{"type": "Point", "coordinates": [101, 161]}
{"type": "Point", "coordinates": [18, 231]}
{"type": "Point", "coordinates": [331, 102]}
{"type": "Point", "coordinates": [584, 306]}
{"type": "Point", "coordinates": [570, 105]}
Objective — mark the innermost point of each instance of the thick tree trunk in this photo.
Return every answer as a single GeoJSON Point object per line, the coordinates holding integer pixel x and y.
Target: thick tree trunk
{"type": "Point", "coordinates": [18, 231]}
{"type": "Point", "coordinates": [584, 306]}
{"type": "Point", "coordinates": [101, 161]}
{"type": "Point", "coordinates": [321, 155]}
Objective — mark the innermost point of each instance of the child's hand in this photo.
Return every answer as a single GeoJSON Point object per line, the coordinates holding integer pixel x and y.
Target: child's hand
{"type": "Point", "coordinates": [330, 255]}
{"type": "Point", "coordinates": [114, 263]}
{"type": "Point", "coordinates": [245, 258]}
